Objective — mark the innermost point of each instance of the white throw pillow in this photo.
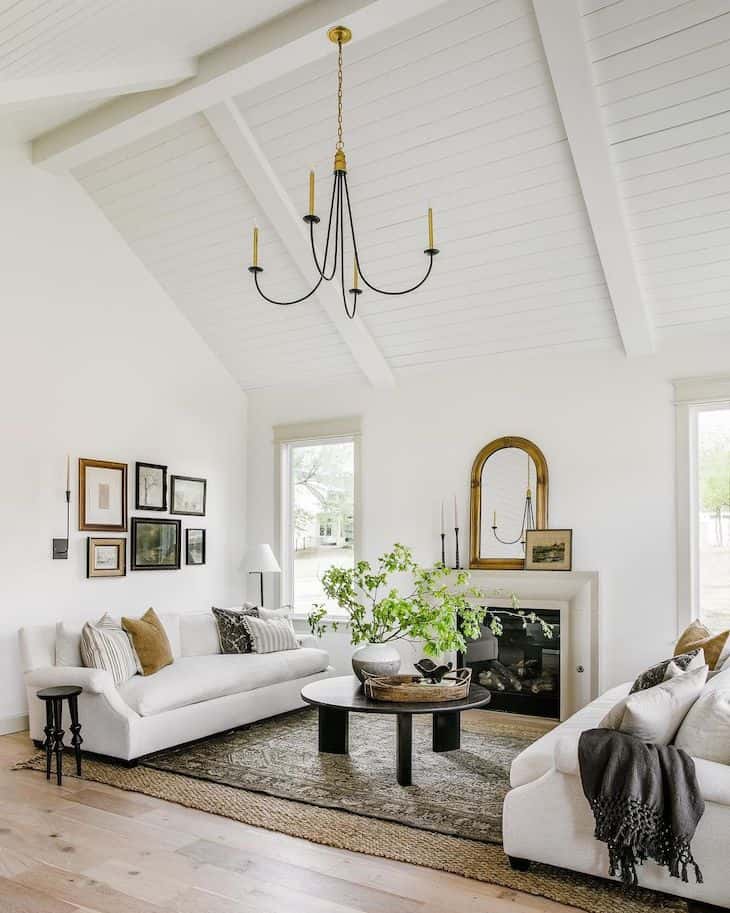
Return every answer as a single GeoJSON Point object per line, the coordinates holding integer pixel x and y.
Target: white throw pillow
{"type": "Point", "coordinates": [68, 646]}
{"type": "Point", "coordinates": [697, 662]}
{"type": "Point", "coordinates": [655, 715]}
{"type": "Point", "coordinates": [106, 645]}
{"type": "Point", "coordinates": [705, 732]}
{"type": "Point", "coordinates": [270, 636]}
{"type": "Point", "coordinates": [274, 614]}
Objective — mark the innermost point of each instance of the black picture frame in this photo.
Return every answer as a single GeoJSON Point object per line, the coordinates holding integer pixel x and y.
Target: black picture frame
{"type": "Point", "coordinates": [189, 559]}
{"type": "Point", "coordinates": [175, 486]}
{"type": "Point", "coordinates": [562, 537]}
{"type": "Point", "coordinates": [138, 505]}
{"type": "Point", "coordinates": [142, 554]}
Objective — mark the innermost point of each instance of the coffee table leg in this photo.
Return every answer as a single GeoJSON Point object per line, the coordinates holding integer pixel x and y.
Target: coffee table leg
{"type": "Point", "coordinates": [446, 731]}
{"type": "Point", "coordinates": [334, 730]}
{"type": "Point", "coordinates": [405, 748]}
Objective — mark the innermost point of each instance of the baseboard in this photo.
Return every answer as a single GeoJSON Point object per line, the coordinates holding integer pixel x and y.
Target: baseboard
{"type": "Point", "coordinates": [13, 724]}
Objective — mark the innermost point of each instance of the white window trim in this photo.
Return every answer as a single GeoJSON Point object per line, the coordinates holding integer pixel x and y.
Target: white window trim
{"type": "Point", "coordinates": [331, 431]}
{"type": "Point", "coordinates": [691, 396]}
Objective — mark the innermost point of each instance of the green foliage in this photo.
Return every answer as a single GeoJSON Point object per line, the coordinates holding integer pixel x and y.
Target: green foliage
{"type": "Point", "coordinates": [441, 608]}
{"type": "Point", "coordinates": [715, 475]}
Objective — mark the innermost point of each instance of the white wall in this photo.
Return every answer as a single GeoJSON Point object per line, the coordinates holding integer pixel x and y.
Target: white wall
{"type": "Point", "coordinates": [606, 426]}
{"type": "Point", "coordinates": [96, 361]}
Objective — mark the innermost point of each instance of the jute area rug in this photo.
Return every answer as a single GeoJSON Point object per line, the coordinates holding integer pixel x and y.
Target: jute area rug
{"type": "Point", "coordinates": [272, 776]}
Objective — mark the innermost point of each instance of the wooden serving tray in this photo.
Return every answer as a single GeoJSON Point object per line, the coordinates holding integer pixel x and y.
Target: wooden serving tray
{"type": "Point", "coordinates": [414, 689]}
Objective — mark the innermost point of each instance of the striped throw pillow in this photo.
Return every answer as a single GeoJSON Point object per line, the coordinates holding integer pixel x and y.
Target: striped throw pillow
{"type": "Point", "coordinates": [106, 645]}
{"type": "Point", "coordinates": [270, 636]}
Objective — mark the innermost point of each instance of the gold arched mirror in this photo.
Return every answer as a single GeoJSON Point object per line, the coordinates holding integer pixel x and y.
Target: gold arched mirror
{"type": "Point", "coordinates": [509, 494]}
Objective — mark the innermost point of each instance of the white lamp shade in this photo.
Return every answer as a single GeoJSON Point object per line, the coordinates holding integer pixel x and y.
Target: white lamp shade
{"type": "Point", "coordinates": [260, 558]}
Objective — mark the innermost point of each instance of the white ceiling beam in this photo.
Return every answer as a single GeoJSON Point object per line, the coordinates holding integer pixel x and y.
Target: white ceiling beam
{"type": "Point", "coordinates": [564, 41]}
{"type": "Point", "coordinates": [255, 58]}
{"type": "Point", "coordinates": [247, 155]}
{"type": "Point", "coordinates": [96, 83]}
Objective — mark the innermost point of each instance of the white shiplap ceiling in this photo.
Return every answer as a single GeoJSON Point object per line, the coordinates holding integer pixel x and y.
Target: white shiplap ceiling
{"type": "Point", "coordinates": [454, 108]}
{"type": "Point", "coordinates": [662, 76]}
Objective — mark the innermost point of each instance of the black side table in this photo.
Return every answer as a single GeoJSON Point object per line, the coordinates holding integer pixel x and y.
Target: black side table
{"type": "Point", "coordinates": [53, 699]}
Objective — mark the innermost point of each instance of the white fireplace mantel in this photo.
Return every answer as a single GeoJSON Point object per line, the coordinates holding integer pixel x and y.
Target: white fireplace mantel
{"type": "Point", "coordinates": [575, 595]}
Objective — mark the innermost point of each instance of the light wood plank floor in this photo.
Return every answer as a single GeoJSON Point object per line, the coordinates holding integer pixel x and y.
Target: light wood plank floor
{"type": "Point", "coordinates": [89, 848]}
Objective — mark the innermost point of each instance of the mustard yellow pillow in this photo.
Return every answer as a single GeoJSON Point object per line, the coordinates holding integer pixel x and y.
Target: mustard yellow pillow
{"type": "Point", "coordinates": [697, 636]}
{"type": "Point", "coordinates": [149, 641]}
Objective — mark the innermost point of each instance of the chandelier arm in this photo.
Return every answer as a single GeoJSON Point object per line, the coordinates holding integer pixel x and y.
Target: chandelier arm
{"type": "Point", "coordinates": [285, 303]}
{"type": "Point", "coordinates": [322, 270]}
{"type": "Point", "coordinates": [380, 291]}
{"type": "Point", "coordinates": [350, 314]}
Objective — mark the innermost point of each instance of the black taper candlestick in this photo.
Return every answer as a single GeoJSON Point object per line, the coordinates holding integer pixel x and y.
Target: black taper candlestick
{"type": "Point", "coordinates": [457, 565]}
{"type": "Point", "coordinates": [443, 549]}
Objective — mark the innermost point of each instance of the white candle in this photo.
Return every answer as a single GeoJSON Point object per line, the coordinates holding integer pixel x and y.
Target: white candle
{"type": "Point", "coordinates": [443, 519]}
{"type": "Point", "coordinates": [456, 514]}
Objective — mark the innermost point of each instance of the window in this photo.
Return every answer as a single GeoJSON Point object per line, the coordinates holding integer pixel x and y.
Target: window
{"type": "Point", "coordinates": [713, 516]}
{"type": "Point", "coordinates": [317, 476]}
{"type": "Point", "coordinates": [703, 501]}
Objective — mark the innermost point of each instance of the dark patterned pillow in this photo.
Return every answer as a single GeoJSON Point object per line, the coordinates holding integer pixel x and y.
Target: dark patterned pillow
{"type": "Point", "coordinates": [232, 633]}
{"type": "Point", "coordinates": [656, 674]}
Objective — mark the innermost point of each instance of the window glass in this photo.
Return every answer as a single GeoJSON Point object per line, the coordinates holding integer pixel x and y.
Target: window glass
{"type": "Point", "coordinates": [713, 521]}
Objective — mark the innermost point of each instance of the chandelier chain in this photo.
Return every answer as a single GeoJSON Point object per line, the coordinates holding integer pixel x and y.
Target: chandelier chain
{"type": "Point", "coordinates": [339, 144]}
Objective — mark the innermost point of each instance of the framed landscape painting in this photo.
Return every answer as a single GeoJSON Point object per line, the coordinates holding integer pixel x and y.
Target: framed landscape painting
{"type": "Point", "coordinates": [102, 495]}
{"type": "Point", "coordinates": [150, 486]}
{"type": "Point", "coordinates": [187, 496]}
{"type": "Point", "coordinates": [549, 550]}
{"type": "Point", "coordinates": [155, 545]}
{"type": "Point", "coordinates": [106, 557]}
{"type": "Point", "coordinates": [194, 546]}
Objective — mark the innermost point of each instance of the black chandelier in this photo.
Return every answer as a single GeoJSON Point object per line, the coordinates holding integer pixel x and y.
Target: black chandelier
{"type": "Point", "coordinates": [528, 517]}
{"type": "Point", "coordinates": [332, 264]}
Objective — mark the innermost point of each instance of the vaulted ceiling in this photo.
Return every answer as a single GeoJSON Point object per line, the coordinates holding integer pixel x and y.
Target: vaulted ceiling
{"type": "Point", "coordinates": [576, 155]}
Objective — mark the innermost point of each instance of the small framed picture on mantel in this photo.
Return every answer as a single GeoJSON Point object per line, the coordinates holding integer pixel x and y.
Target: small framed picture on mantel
{"type": "Point", "coordinates": [549, 550]}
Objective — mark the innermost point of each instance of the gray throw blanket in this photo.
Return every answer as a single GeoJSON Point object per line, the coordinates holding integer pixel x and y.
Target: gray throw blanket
{"type": "Point", "coordinates": [645, 801]}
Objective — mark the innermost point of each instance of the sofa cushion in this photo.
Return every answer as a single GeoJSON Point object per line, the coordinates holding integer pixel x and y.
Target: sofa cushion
{"type": "Point", "coordinates": [232, 632]}
{"type": "Point", "coordinates": [199, 634]}
{"type": "Point", "coordinates": [149, 639]}
{"type": "Point", "coordinates": [270, 636]}
{"type": "Point", "coordinates": [537, 759]}
{"type": "Point", "coordinates": [105, 645]}
{"type": "Point", "coordinates": [705, 732]}
{"type": "Point", "coordinates": [68, 645]}
{"type": "Point", "coordinates": [697, 635]}
{"type": "Point", "coordinates": [193, 679]}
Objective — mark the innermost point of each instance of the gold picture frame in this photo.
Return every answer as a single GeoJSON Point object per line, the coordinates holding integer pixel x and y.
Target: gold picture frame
{"type": "Point", "coordinates": [549, 550]}
{"type": "Point", "coordinates": [106, 557]}
{"type": "Point", "coordinates": [102, 495]}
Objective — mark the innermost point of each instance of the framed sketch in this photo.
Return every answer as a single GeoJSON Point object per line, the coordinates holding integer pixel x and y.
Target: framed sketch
{"type": "Point", "coordinates": [549, 550]}
{"type": "Point", "coordinates": [102, 495]}
{"type": "Point", "coordinates": [187, 496]}
{"type": "Point", "coordinates": [155, 545]}
{"type": "Point", "coordinates": [194, 546]}
{"type": "Point", "coordinates": [106, 557]}
{"type": "Point", "coordinates": [150, 486]}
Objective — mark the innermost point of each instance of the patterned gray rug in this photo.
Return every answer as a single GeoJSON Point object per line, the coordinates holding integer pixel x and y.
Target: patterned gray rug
{"type": "Point", "coordinates": [458, 793]}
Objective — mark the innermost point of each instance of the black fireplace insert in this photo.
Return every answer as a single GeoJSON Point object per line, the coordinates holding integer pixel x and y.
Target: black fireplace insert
{"type": "Point", "coordinates": [521, 668]}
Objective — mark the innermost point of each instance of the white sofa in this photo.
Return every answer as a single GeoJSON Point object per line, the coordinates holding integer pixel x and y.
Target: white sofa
{"type": "Point", "coordinates": [201, 693]}
{"type": "Point", "coordinates": [547, 818]}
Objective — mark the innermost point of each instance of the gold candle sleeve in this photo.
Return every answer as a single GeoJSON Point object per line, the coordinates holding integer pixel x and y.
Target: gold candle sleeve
{"type": "Point", "coordinates": [311, 193]}
{"type": "Point", "coordinates": [430, 228]}
{"type": "Point", "coordinates": [255, 247]}
{"type": "Point", "coordinates": [354, 274]}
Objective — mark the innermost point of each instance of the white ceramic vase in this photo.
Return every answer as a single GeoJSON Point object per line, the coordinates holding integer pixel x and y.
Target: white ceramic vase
{"type": "Point", "coordinates": [376, 659]}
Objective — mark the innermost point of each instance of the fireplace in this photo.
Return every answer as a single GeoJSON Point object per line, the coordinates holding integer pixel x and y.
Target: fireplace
{"type": "Point", "coordinates": [521, 668]}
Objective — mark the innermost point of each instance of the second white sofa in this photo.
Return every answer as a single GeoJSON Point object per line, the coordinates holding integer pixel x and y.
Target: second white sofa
{"type": "Point", "coordinates": [201, 693]}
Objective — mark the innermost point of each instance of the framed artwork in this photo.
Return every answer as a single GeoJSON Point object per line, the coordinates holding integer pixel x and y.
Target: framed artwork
{"type": "Point", "coordinates": [187, 496]}
{"type": "Point", "coordinates": [102, 495]}
{"type": "Point", "coordinates": [155, 545]}
{"type": "Point", "coordinates": [150, 486]}
{"type": "Point", "coordinates": [549, 550]}
{"type": "Point", "coordinates": [194, 546]}
{"type": "Point", "coordinates": [106, 557]}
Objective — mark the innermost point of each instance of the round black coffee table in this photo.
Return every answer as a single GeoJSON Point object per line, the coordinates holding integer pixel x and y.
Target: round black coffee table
{"type": "Point", "coordinates": [336, 698]}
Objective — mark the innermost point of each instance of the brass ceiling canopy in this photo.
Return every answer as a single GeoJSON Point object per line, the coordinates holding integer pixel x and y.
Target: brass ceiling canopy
{"type": "Point", "coordinates": [340, 220]}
